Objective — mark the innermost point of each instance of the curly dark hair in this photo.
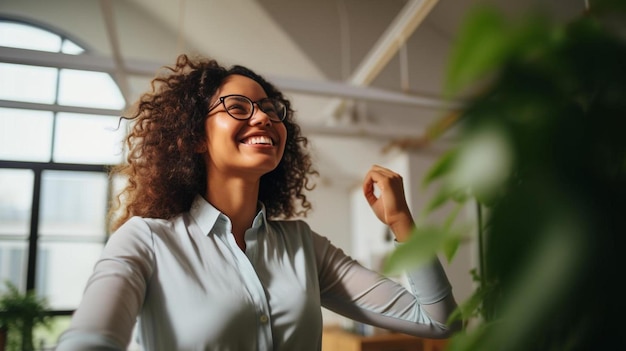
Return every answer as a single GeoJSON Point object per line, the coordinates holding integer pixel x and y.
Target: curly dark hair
{"type": "Point", "coordinates": [164, 171]}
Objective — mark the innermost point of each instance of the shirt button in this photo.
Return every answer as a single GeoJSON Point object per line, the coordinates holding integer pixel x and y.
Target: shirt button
{"type": "Point", "coordinates": [263, 319]}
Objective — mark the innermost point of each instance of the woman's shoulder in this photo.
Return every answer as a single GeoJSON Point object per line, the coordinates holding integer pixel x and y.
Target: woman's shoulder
{"type": "Point", "coordinates": [143, 230]}
{"type": "Point", "coordinates": [146, 224]}
{"type": "Point", "coordinates": [290, 225]}
{"type": "Point", "coordinates": [298, 228]}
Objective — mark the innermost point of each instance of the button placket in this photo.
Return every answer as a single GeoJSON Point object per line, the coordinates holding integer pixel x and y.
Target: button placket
{"type": "Point", "coordinates": [257, 293]}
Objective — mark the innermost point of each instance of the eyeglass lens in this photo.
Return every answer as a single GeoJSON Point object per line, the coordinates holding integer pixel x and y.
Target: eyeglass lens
{"type": "Point", "coordinates": [240, 107]}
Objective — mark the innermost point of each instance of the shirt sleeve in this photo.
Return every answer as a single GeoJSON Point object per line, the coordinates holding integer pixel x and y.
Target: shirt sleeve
{"type": "Point", "coordinates": [114, 293]}
{"type": "Point", "coordinates": [348, 288]}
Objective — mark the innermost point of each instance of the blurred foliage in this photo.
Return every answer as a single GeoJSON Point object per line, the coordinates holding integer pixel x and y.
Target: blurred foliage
{"type": "Point", "coordinates": [542, 152]}
{"type": "Point", "coordinates": [20, 313]}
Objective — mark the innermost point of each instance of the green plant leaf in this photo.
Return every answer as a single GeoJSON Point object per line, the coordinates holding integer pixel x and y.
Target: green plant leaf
{"type": "Point", "coordinates": [442, 196]}
{"type": "Point", "coordinates": [450, 248]}
{"type": "Point", "coordinates": [474, 340]}
{"type": "Point", "coordinates": [441, 168]}
{"type": "Point", "coordinates": [452, 216]}
{"type": "Point", "coordinates": [423, 245]}
{"type": "Point", "coordinates": [468, 308]}
{"type": "Point", "coordinates": [608, 6]}
{"type": "Point", "coordinates": [21, 313]}
{"type": "Point", "coordinates": [481, 47]}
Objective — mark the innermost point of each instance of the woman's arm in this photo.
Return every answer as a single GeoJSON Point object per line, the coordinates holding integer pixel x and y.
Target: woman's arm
{"type": "Point", "coordinates": [114, 293]}
{"type": "Point", "coordinates": [348, 288]}
{"type": "Point", "coordinates": [356, 292]}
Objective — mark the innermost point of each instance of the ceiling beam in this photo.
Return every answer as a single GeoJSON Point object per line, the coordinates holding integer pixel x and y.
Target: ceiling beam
{"type": "Point", "coordinates": [120, 73]}
{"type": "Point", "coordinates": [400, 29]}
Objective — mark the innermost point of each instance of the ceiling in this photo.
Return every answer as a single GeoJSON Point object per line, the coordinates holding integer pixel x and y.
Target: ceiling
{"type": "Point", "coordinates": [361, 73]}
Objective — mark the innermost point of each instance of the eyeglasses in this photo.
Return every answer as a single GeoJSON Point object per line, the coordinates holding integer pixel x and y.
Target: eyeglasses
{"type": "Point", "coordinates": [242, 108]}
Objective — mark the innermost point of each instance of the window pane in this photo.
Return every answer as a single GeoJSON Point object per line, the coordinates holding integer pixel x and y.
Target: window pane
{"type": "Point", "coordinates": [25, 135]}
{"type": "Point", "coordinates": [13, 261]}
{"type": "Point", "coordinates": [89, 89]}
{"type": "Point", "coordinates": [88, 139]}
{"type": "Point", "coordinates": [17, 35]}
{"type": "Point", "coordinates": [28, 83]}
{"type": "Point", "coordinates": [69, 47]}
{"type": "Point", "coordinates": [73, 203]}
{"type": "Point", "coordinates": [63, 269]}
{"type": "Point", "coordinates": [16, 196]}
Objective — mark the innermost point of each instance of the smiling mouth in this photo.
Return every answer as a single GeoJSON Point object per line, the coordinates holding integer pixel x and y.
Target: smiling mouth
{"type": "Point", "coordinates": [258, 140]}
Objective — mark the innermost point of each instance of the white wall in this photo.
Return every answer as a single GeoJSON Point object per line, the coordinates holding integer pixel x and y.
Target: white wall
{"type": "Point", "coordinates": [330, 216]}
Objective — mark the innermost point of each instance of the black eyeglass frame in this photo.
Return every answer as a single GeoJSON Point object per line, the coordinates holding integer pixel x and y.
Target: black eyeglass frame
{"type": "Point", "coordinates": [221, 100]}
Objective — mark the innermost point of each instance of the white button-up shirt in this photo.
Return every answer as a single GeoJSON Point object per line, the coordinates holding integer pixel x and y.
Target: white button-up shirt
{"type": "Point", "coordinates": [190, 287]}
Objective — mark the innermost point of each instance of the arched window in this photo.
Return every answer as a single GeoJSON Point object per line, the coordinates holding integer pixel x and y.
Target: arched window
{"type": "Point", "coordinates": [59, 130]}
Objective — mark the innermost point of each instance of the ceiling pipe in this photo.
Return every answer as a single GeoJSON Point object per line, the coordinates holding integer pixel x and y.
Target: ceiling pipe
{"type": "Point", "coordinates": [146, 69]}
{"type": "Point", "coordinates": [362, 130]}
{"type": "Point", "coordinates": [338, 89]}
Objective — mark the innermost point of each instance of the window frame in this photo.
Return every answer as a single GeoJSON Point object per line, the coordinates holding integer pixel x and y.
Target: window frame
{"type": "Point", "coordinates": [58, 60]}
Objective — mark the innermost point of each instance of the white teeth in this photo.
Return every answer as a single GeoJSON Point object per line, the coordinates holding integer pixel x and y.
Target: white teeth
{"type": "Point", "coordinates": [258, 140]}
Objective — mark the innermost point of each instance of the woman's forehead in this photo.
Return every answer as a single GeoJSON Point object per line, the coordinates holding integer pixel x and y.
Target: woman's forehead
{"type": "Point", "coordinates": [238, 84]}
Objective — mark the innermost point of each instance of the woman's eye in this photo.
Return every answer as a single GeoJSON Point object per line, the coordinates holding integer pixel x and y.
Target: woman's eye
{"type": "Point", "coordinates": [269, 109]}
{"type": "Point", "coordinates": [237, 108]}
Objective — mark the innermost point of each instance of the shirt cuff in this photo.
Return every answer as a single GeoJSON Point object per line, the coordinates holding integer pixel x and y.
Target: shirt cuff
{"type": "Point", "coordinates": [428, 282]}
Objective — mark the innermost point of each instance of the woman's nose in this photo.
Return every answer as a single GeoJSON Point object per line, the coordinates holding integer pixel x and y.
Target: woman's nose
{"type": "Point", "coordinates": [260, 117]}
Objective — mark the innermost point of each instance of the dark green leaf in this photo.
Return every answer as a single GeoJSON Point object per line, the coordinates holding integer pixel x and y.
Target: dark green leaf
{"type": "Point", "coordinates": [450, 248]}
{"type": "Point", "coordinates": [419, 249]}
{"type": "Point", "coordinates": [468, 308]}
{"type": "Point", "coordinates": [452, 216]}
{"type": "Point", "coordinates": [441, 168]}
{"type": "Point", "coordinates": [481, 48]}
{"type": "Point", "coordinates": [442, 196]}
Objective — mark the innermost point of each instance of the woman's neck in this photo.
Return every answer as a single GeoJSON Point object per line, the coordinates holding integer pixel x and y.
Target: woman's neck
{"type": "Point", "coordinates": [237, 198]}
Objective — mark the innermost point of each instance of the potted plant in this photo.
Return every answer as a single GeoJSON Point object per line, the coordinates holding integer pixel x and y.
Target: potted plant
{"type": "Point", "coordinates": [20, 313]}
{"type": "Point", "coordinates": [542, 155]}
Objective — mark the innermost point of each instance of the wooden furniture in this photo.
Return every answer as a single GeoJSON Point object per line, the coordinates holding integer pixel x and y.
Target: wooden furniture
{"type": "Point", "coordinates": [337, 339]}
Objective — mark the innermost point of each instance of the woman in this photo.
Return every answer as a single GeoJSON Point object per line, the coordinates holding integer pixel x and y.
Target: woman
{"type": "Point", "coordinates": [203, 254]}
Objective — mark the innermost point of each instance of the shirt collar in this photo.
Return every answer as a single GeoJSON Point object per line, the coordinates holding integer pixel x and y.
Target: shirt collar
{"type": "Point", "coordinates": [207, 216]}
